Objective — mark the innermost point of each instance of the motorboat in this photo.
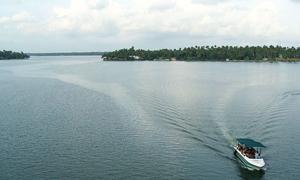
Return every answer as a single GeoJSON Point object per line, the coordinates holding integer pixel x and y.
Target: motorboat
{"type": "Point", "coordinates": [249, 153]}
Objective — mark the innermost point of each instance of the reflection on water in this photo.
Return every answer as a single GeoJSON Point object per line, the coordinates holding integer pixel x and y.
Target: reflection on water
{"type": "Point", "coordinates": [247, 174]}
{"type": "Point", "coordinates": [77, 117]}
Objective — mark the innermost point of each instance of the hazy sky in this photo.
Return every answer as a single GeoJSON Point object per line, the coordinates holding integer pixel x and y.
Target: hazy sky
{"type": "Point", "coordinates": [100, 25]}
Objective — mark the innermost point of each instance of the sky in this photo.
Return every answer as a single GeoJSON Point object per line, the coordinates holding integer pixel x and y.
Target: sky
{"type": "Point", "coordinates": [105, 25]}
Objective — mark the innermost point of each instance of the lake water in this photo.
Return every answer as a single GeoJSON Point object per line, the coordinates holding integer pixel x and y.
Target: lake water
{"type": "Point", "coordinates": [81, 118]}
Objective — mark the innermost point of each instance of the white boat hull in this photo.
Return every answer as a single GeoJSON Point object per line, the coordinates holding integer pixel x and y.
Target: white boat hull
{"type": "Point", "coordinates": [251, 164]}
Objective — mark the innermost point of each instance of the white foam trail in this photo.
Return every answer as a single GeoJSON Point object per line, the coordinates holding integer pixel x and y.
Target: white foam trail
{"type": "Point", "coordinates": [222, 103]}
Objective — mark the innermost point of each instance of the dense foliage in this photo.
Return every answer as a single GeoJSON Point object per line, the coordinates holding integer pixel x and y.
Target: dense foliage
{"type": "Point", "coordinates": [12, 55]}
{"type": "Point", "coordinates": [210, 53]}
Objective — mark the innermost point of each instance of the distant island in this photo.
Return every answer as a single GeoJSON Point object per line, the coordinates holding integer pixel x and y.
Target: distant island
{"type": "Point", "coordinates": [208, 53]}
{"type": "Point", "coordinates": [5, 55]}
{"type": "Point", "coordinates": [68, 54]}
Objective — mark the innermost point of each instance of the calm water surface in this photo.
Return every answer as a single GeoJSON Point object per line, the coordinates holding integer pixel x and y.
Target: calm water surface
{"type": "Point", "coordinates": [81, 118]}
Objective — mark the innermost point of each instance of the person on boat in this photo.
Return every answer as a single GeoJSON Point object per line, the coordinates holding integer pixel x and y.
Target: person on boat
{"type": "Point", "coordinates": [240, 148]}
{"type": "Point", "coordinates": [256, 155]}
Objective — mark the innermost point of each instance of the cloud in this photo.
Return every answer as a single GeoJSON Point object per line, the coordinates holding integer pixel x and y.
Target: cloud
{"type": "Point", "coordinates": [23, 22]}
{"type": "Point", "coordinates": [20, 17]}
{"type": "Point", "coordinates": [175, 16]}
{"type": "Point", "coordinates": [212, 2]}
{"type": "Point", "coordinates": [157, 23]}
{"type": "Point", "coordinates": [83, 18]}
{"type": "Point", "coordinates": [162, 5]}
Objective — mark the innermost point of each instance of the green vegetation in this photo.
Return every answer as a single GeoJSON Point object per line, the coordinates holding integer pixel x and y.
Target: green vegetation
{"type": "Point", "coordinates": [12, 55]}
{"type": "Point", "coordinates": [208, 53]}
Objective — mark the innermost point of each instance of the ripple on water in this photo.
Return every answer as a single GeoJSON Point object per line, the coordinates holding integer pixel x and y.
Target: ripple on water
{"type": "Point", "coordinates": [176, 119]}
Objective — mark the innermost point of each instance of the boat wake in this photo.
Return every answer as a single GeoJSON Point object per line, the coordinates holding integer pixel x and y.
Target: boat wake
{"type": "Point", "coordinates": [113, 90]}
{"type": "Point", "coordinates": [272, 115]}
{"type": "Point", "coordinates": [179, 119]}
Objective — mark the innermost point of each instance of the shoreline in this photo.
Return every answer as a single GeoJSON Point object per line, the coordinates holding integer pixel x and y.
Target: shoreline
{"type": "Point", "coordinates": [248, 61]}
{"type": "Point", "coordinates": [15, 59]}
{"type": "Point", "coordinates": [209, 53]}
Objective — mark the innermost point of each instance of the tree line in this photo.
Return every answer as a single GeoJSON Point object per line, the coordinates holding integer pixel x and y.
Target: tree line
{"type": "Point", "coordinates": [208, 53]}
{"type": "Point", "coordinates": [12, 55]}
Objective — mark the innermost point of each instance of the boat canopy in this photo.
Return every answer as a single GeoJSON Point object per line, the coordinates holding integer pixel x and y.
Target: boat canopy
{"type": "Point", "coordinates": [250, 143]}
